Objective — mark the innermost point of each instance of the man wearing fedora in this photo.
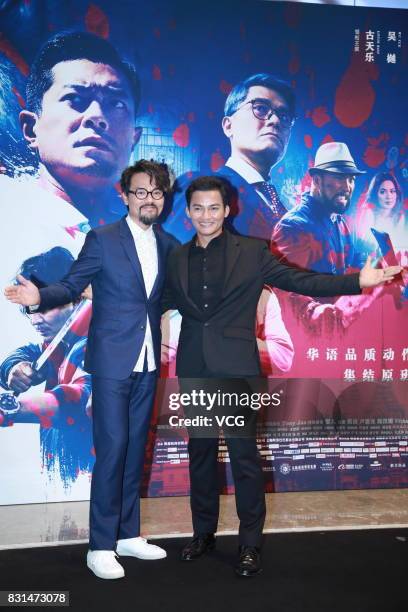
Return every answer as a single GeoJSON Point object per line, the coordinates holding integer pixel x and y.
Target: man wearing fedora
{"type": "Point", "coordinates": [314, 235]}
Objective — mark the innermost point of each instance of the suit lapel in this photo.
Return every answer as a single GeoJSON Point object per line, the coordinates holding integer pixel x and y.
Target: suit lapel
{"type": "Point", "coordinates": [130, 249]}
{"type": "Point", "coordinates": [232, 253]}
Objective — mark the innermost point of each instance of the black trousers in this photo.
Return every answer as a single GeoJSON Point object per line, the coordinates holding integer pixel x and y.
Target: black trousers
{"type": "Point", "coordinates": [245, 465]}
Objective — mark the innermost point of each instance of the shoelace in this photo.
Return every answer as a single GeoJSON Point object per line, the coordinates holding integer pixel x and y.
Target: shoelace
{"type": "Point", "coordinates": [248, 555]}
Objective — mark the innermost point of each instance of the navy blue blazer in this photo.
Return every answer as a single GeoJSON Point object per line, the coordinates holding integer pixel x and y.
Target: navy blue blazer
{"type": "Point", "coordinates": [108, 260]}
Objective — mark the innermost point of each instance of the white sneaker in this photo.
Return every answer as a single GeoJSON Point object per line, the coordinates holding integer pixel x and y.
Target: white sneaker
{"type": "Point", "coordinates": [139, 547]}
{"type": "Point", "coordinates": [104, 565]}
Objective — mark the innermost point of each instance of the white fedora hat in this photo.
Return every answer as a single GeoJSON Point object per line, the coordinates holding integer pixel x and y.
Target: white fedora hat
{"type": "Point", "coordinates": [334, 157]}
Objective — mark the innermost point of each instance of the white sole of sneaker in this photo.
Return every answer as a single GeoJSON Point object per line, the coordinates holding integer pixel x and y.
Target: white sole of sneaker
{"type": "Point", "coordinates": [106, 576]}
{"type": "Point", "coordinates": [141, 556]}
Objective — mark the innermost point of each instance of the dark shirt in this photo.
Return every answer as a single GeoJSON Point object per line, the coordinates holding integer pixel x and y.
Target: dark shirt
{"type": "Point", "coordinates": [205, 283]}
{"type": "Point", "coordinates": [206, 274]}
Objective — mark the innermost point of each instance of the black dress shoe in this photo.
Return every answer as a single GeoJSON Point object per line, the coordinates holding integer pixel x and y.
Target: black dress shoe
{"type": "Point", "coordinates": [249, 562]}
{"type": "Point", "coordinates": [198, 546]}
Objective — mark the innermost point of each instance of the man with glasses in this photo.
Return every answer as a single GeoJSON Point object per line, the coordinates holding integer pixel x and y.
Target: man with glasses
{"type": "Point", "coordinates": [259, 115]}
{"type": "Point", "coordinates": [125, 262]}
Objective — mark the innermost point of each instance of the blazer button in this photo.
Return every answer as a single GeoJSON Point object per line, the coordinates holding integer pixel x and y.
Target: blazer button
{"type": "Point", "coordinates": [206, 324]}
{"type": "Point", "coordinates": [142, 327]}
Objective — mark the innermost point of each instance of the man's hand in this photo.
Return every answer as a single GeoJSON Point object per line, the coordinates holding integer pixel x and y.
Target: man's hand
{"type": "Point", "coordinates": [371, 277]}
{"type": "Point", "coordinates": [87, 293]}
{"type": "Point", "coordinates": [26, 293]}
{"type": "Point", "coordinates": [21, 377]}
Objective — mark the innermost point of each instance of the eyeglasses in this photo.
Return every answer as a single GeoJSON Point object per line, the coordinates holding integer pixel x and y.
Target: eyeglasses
{"type": "Point", "coordinates": [263, 110]}
{"type": "Point", "coordinates": [142, 194]}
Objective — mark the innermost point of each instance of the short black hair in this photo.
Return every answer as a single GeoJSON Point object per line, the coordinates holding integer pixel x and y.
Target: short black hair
{"type": "Point", "coordinates": [48, 267]}
{"type": "Point", "coordinates": [157, 171]}
{"type": "Point", "coordinates": [73, 45]}
{"type": "Point", "coordinates": [238, 93]}
{"type": "Point", "coordinates": [210, 183]}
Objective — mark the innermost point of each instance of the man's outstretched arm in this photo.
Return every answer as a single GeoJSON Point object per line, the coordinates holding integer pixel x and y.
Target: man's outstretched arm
{"type": "Point", "coordinates": [289, 278]}
{"type": "Point", "coordinates": [88, 263]}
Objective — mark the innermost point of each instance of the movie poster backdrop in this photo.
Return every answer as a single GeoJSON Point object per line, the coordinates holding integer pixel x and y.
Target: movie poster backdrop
{"type": "Point", "coordinates": [339, 366]}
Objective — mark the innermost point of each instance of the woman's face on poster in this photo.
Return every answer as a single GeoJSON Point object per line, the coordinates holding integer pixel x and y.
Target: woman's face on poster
{"type": "Point", "coordinates": [387, 195]}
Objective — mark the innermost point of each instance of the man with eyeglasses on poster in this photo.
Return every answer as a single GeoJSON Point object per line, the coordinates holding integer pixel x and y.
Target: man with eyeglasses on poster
{"type": "Point", "coordinates": [259, 116]}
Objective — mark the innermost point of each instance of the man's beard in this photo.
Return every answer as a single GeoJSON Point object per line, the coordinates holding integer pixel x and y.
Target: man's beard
{"type": "Point", "coordinates": [336, 207]}
{"type": "Point", "coordinates": [148, 220]}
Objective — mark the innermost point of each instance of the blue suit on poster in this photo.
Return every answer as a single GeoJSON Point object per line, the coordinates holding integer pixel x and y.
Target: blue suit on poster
{"type": "Point", "coordinates": [122, 400]}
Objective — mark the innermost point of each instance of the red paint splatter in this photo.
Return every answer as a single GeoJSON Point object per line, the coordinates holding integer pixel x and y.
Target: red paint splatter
{"type": "Point", "coordinates": [355, 95]}
{"type": "Point", "coordinates": [191, 117]}
{"type": "Point", "coordinates": [156, 73]}
{"type": "Point", "coordinates": [156, 32]}
{"type": "Point", "coordinates": [18, 96]}
{"type": "Point", "coordinates": [225, 87]}
{"type": "Point", "coordinates": [406, 140]}
{"type": "Point", "coordinates": [70, 421]}
{"type": "Point", "coordinates": [320, 116]}
{"type": "Point", "coordinates": [327, 138]}
{"type": "Point", "coordinates": [181, 135]}
{"type": "Point", "coordinates": [150, 109]}
{"type": "Point", "coordinates": [308, 141]}
{"type": "Point", "coordinates": [157, 129]}
{"type": "Point", "coordinates": [45, 422]}
{"type": "Point", "coordinates": [402, 151]}
{"type": "Point", "coordinates": [189, 174]}
{"type": "Point", "coordinates": [374, 155]}
{"type": "Point", "coordinates": [292, 14]}
{"type": "Point", "coordinates": [294, 65]}
{"type": "Point", "coordinates": [216, 161]}
{"type": "Point", "coordinates": [96, 21]}
{"type": "Point", "coordinates": [13, 55]}
{"type": "Point", "coordinates": [312, 77]}
{"type": "Point", "coordinates": [280, 169]}
{"type": "Point", "coordinates": [93, 451]}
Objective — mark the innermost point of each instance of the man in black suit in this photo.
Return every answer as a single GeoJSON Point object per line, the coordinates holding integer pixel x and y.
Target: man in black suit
{"type": "Point", "coordinates": [215, 281]}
